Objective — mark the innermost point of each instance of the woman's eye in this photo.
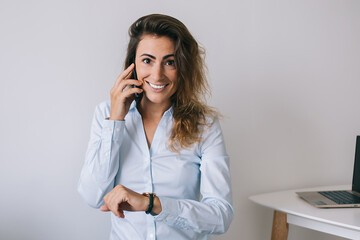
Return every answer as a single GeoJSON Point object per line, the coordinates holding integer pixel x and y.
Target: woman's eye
{"type": "Point", "coordinates": [170, 63]}
{"type": "Point", "coordinates": [146, 60]}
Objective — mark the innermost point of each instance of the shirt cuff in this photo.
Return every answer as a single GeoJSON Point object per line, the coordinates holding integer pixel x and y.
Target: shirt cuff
{"type": "Point", "coordinates": [112, 130]}
{"type": "Point", "coordinates": [169, 210]}
{"type": "Point", "coordinates": [170, 213]}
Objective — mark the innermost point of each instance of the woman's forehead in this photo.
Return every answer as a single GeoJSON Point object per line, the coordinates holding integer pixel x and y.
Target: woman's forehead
{"type": "Point", "coordinates": [154, 44]}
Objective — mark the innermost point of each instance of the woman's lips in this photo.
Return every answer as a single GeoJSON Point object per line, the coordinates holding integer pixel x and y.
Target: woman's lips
{"type": "Point", "coordinates": [156, 88]}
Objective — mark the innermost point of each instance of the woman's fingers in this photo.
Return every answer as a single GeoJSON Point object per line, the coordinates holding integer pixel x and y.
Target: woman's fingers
{"type": "Point", "coordinates": [125, 94]}
{"type": "Point", "coordinates": [122, 94]}
{"type": "Point", "coordinates": [121, 98]}
{"type": "Point", "coordinates": [131, 92]}
{"type": "Point", "coordinates": [128, 82]}
{"type": "Point", "coordinates": [115, 199]}
{"type": "Point", "coordinates": [104, 208]}
{"type": "Point", "coordinates": [117, 91]}
{"type": "Point", "coordinates": [125, 74]}
{"type": "Point", "coordinates": [109, 205]}
{"type": "Point", "coordinates": [112, 201]}
{"type": "Point", "coordinates": [121, 214]}
{"type": "Point", "coordinates": [122, 198]}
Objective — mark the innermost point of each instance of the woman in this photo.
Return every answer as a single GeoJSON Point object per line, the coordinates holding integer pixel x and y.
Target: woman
{"type": "Point", "coordinates": [156, 148]}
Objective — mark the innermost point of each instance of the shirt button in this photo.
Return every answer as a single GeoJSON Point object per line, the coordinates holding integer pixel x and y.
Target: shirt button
{"type": "Point", "coordinates": [118, 129]}
{"type": "Point", "coordinates": [109, 129]}
{"type": "Point", "coordinates": [107, 154]}
{"type": "Point", "coordinates": [151, 235]}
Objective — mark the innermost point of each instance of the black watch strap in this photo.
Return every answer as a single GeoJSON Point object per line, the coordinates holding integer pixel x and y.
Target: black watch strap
{"type": "Point", "coordinates": [151, 202]}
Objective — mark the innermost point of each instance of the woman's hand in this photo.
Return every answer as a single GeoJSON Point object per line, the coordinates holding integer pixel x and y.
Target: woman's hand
{"type": "Point", "coordinates": [122, 198]}
{"type": "Point", "coordinates": [122, 94]}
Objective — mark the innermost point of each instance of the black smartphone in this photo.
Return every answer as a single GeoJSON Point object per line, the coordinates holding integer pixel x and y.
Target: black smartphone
{"type": "Point", "coordinates": [137, 95]}
{"type": "Point", "coordinates": [134, 71]}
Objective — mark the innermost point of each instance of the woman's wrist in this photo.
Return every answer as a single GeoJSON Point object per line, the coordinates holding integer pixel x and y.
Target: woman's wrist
{"type": "Point", "coordinates": [117, 118]}
{"type": "Point", "coordinates": [153, 204]}
{"type": "Point", "coordinates": [157, 206]}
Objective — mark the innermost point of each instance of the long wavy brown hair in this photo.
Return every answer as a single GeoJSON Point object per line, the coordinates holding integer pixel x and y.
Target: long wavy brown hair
{"type": "Point", "coordinates": [190, 111]}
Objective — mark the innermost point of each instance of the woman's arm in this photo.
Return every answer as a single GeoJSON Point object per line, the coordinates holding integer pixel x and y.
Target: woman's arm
{"type": "Point", "coordinates": [102, 157]}
{"type": "Point", "coordinates": [121, 199]}
{"type": "Point", "coordinates": [214, 213]}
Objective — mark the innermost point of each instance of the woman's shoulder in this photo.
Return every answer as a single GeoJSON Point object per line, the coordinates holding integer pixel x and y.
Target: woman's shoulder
{"type": "Point", "coordinates": [104, 104]}
{"type": "Point", "coordinates": [211, 119]}
{"type": "Point", "coordinates": [211, 126]}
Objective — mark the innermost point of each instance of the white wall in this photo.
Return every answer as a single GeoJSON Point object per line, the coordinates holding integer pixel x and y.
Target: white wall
{"type": "Point", "coordinates": [284, 73]}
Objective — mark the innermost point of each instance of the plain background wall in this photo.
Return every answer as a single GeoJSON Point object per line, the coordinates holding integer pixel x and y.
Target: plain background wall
{"type": "Point", "coordinates": [284, 73]}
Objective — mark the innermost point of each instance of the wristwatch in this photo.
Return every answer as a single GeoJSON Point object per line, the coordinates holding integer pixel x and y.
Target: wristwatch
{"type": "Point", "coordinates": [151, 201]}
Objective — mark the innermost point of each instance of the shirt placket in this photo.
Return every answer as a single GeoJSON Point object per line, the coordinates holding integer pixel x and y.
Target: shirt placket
{"type": "Point", "coordinates": [149, 184]}
{"type": "Point", "coordinates": [149, 188]}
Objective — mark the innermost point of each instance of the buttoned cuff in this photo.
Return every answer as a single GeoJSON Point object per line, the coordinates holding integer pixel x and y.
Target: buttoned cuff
{"type": "Point", "coordinates": [170, 213]}
{"type": "Point", "coordinates": [112, 130]}
{"type": "Point", "coordinates": [169, 210]}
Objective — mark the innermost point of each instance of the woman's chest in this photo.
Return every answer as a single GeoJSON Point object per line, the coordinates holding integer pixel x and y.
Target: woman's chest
{"type": "Point", "coordinates": [158, 169]}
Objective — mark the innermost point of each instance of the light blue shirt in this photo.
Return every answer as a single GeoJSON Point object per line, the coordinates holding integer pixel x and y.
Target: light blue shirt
{"type": "Point", "coordinates": [118, 153]}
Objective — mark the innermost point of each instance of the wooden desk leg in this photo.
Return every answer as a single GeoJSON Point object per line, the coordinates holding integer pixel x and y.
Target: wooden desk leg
{"type": "Point", "coordinates": [280, 227]}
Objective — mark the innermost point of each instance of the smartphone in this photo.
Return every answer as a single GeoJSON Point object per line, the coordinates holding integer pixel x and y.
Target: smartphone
{"type": "Point", "coordinates": [137, 95]}
{"type": "Point", "coordinates": [134, 71]}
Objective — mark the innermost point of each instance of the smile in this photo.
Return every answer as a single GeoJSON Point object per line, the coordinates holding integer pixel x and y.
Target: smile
{"type": "Point", "coordinates": [157, 86]}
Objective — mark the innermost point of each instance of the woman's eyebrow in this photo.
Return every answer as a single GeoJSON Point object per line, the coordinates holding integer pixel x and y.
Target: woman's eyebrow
{"type": "Point", "coordinates": [167, 56]}
{"type": "Point", "coordinates": [148, 55]}
{"type": "Point", "coordinates": [153, 57]}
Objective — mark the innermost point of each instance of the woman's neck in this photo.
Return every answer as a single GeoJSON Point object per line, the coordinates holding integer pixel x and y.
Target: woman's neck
{"type": "Point", "coordinates": [152, 110]}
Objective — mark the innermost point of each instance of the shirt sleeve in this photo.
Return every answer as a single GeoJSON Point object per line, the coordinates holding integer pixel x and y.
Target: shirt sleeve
{"type": "Point", "coordinates": [214, 213]}
{"type": "Point", "coordinates": [102, 157]}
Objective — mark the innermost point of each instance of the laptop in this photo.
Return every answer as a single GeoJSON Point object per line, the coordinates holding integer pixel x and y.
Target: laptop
{"type": "Point", "coordinates": [342, 198]}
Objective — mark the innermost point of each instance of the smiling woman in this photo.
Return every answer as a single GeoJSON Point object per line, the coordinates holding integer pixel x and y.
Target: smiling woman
{"type": "Point", "coordinates": [165, 141]}
{"type": "Point", "coordinates": [155, 67]}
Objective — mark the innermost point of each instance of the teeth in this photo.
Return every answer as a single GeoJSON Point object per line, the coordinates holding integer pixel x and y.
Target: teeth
{"type": "Point", "coordinates": [157, 86]}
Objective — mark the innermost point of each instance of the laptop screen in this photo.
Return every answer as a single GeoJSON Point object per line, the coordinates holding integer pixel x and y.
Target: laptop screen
{"type": "Point", "coordinates": [356, 176]}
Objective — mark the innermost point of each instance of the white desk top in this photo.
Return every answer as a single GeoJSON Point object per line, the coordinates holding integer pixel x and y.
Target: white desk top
{"type": "Point", "coordinates": [288, 202]}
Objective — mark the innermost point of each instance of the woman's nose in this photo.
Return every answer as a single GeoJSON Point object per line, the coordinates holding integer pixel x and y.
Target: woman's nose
{"type": "Point", "coordinates": [157, 72]}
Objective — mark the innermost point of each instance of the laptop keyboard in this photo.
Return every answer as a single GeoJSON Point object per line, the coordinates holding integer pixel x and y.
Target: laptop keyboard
{"type": "Point", "coordinates": [341, 197]}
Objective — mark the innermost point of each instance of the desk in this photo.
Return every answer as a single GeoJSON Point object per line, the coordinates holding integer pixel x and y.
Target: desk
{"type": "Point", "coordinates": [290, 209]}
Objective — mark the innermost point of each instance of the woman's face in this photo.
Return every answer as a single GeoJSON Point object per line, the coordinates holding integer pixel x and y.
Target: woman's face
{"type": "Point", "coordinates": [155, 67]}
